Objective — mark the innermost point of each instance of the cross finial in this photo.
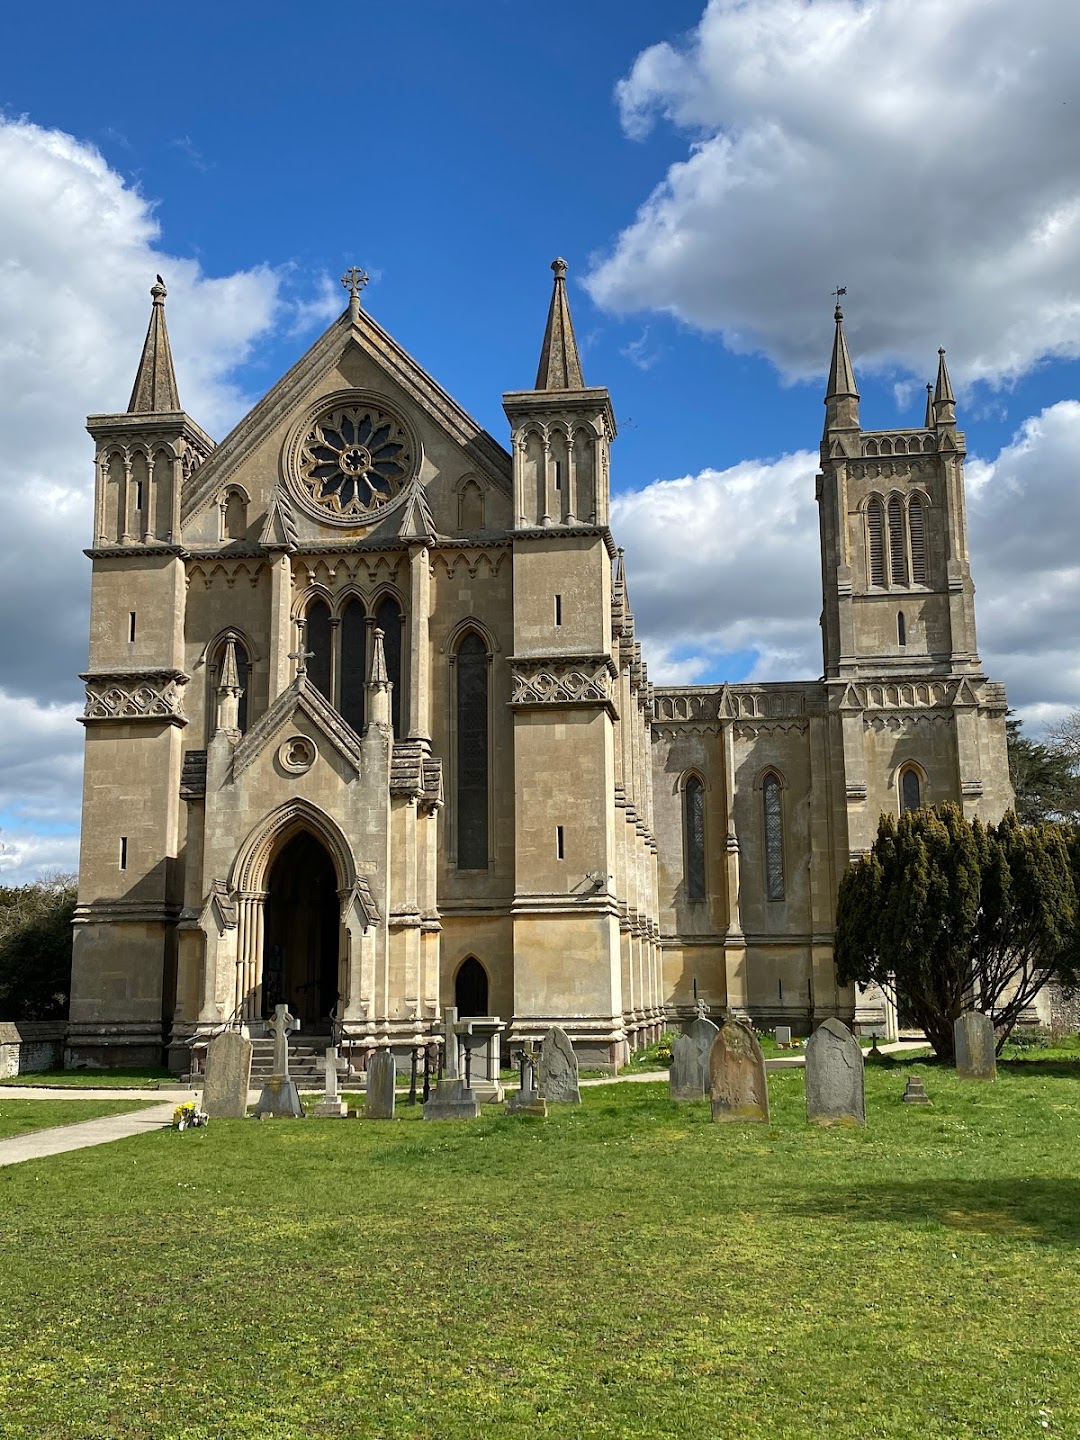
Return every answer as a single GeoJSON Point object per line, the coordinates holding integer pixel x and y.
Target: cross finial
{"type": "Point", "coordinates": [354, 281]}
{"type": "Point", "coordinates": [836, 294]}
{"type": "Point", "coordinates": [301, 654]}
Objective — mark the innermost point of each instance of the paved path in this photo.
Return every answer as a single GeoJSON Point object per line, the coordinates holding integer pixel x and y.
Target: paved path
{"type": "Point", "coordinates": [84, 1132]}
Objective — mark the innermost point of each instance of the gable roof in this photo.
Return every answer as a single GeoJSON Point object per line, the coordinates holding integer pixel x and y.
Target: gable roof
{"type": "Point", "coordinates": [301, 695]}
{"type": "Point", "coordinates": [484, 452]}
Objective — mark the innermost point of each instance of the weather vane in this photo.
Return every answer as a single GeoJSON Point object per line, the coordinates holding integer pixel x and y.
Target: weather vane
{"type": "Point", "coordinates": [840, 290]}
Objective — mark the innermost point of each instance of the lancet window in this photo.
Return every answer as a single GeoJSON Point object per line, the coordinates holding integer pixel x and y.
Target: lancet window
{"type": "Point", "coordinates": [910, 789]}
{"type": "Point", "coordinates": [694, 838]}
{"type": "Point", "coordinates": [472, 757]}
{"type": "Point", "coordinates": [772, 803]}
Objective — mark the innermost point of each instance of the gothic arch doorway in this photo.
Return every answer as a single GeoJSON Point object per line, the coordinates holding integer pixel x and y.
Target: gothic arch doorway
{"type": "Point", "coordinates": [471, 988]}
{"type": "Point", "coordinates": [303, 926]}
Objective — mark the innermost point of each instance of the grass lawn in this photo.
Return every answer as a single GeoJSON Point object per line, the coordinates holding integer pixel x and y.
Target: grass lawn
{"type": "Point", "coordinates": [19, 1117]}
{"type": "Point", "coordinates": [624, 1268]}
{"type": "Point", "coordinates": [138, 1078]}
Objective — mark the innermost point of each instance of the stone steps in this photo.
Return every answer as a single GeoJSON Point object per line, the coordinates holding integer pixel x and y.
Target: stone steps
{"type": "Point", "coordinates": [306, 1062]}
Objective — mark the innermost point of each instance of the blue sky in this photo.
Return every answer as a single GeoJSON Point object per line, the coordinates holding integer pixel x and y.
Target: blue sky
{"type": "Point", "coordinates": [709, 172]}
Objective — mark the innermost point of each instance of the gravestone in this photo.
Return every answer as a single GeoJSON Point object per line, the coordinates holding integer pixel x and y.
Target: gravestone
{"type": "Point", "coordinates": [280, 1097]}
{"type": "Point", "coordinates": [331, 1106]}
{"type": "Point", "coordinates": [782, 1034]}
{"type": "Point", "coordinates": [527, 1101]}
{"type": "Point", "coordinates": [558, 1069]}
{"type": "Point", "coordinates": [451, 1051]}
{"type": "Point", "coordinates": [451, 1100]}
{"type": "Point", "coordinates": [915, 1092]}
{"type": "Point", "coordinates": [381, 1075]}
{"type": "Point", "coordinates": [737, 1075]}
{"type": "Point", "coordinates": [835, 1083]}
{"type": "Point", "coordinates": [686, 1077]}
{"type": "Point", "coordinates": [228, 1076]}
{"type": "Point", "coordinates": [479, 1038]}
{"type": "Point", "coordinates": [973, 1036]}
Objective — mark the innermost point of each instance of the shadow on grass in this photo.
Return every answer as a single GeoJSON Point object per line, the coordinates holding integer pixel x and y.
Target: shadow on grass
{"type": "Point", "coordinates": [1040, 1209]}
{"type": "Point", "coordinates": [1058, 1068]}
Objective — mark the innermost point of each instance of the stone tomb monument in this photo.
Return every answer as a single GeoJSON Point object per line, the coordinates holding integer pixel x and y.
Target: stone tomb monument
{"type": "Point", "coordinates": [228, 1076]}
{"type": "Point", "coordinates": [527, 1101]}
{"type": "Point", "coordinates": [381, 1077]}
{"type": "Point", "coordinates": [331, 1106]}
{"type": "Point", "coordinates": [835, 1082]}
{"type": "Point", "coordinates": [688, 1078]}
{"type": "Point", "coordinates": [737, 1075]}
{"type": "Point", "coordinates": [558, 1069]}
{"type": "Point", "coordinates": [451, 1099]}
{"type": "Point", "coordinates": [280, 1097]}
{"type": "Point", "coordinates": [479, 1036]}
{"type": "Point", "coordinates": [976, 1057]}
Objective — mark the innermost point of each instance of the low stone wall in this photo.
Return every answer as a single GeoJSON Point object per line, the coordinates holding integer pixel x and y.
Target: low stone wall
{"type": "Point", "coordinates": [27, 1046]}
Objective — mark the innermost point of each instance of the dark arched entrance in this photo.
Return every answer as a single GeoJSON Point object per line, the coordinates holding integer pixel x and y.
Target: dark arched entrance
{"type": "Point", "coordinates": [300, 959]}
{"type": "Point", "coordinates": [471, 988]}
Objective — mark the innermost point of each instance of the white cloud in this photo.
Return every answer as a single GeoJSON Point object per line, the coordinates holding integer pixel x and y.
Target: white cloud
{"type": "Point", "coordinates": [925, 155]}
{"type": "Point", "coordinates": [79, 248]}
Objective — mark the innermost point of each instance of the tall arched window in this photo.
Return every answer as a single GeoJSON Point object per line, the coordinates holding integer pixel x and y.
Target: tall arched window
{"type": "Point", "coordinates": [897, 544]}
{"type": "Point", "coordinates": [388, 620]}
{"type": "Point", "coordinates": [234, 519]}
{"type": "Point", "coordinates": [353, 667]}
{"type": "Point", "coordinates": [875, 530]}
{"type": "Point", "coordinates": [318, 644]}
{"type": "Point", "coordinates": [471, 988]}
{"type": "Point", "coordinates": [917, 533]}
{"type": "Point", "coordinates": [472, 753]}
{"type": "Point", "coordinates": [910, 789]}
{"type": "Point", "coordinates": [773, 817]}
{"type": "Point", "coordinates": [901, 628]}
{"type": "Point", "coordinates": [694, 838]}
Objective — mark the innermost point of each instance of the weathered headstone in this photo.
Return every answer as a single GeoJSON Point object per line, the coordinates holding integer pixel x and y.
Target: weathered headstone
{"type": "Point", "coordinates": [280, 1097]}
{"type": "Point", "coordinates": [782, 1034]}
{"type": "Point", "coordinates": [451, 1100]}
{"type": "Point", "coordinates": [976, 1057]}
{"type": "Point", "coordinates": [228, 1076]}
{"type": "Point", "coordinates": [558, 1081]}
{"type": "Point", "coordinates": [381, 1076]}
{"type": "Point", "coordinates": [451, 1045]}
{"type": "Point", "coordinates": [915, 1092]}
{"type": "Point", "coordinates": [331, 1106]}
{"type": "Point", "coordinates": [527, 1101]}
{"type": "Point", "coordinates": [686, 1077]}
{"type": "Point", "coordinates": [737, 1075]}
{"type": "Point", "coordinates": [835, 1083]}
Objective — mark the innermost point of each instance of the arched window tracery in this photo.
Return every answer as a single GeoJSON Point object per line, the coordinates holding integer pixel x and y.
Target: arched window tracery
{"type": "Point", "coordinates": [910, 789]}
{"type": "Point", "coordinates": [772, 805]}
{"type": "Point", "coordinates": [694, 838]}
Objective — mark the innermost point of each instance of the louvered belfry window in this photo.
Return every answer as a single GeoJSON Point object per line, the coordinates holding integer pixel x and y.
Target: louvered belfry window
{"type": "Point", "coordinates": [772, 804]}
{"type": "Point", "coordinates": [917, 531]}
{"type": "Point", "coordinates": [875, 527]}
{"type": "Point", "coordinates": [897, 548]}
{"type": "Point", "coordinates": [472, 754]}
{"type": "Point", "coordinates": [694, 837]}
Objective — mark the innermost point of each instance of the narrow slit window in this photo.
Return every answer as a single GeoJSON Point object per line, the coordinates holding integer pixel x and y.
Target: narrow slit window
{"type": "Point", "coordinates": [772, 804]}
{"type": "Point", "coordinates": [131, 627]}
{"type": "Point", "coordinates": [558, 609]}
{"type": "Point", "coordinates": [560, 843]}
{"type": "Point", "coordinates": [694, 837]}
{"type": "Point", "coordinates": [875, 529]}
{"type": "Point", "coordinates": [558, 474]}
{"type": "Point", "coordinates": [897, 547]}
{"type": "Point", "coordinates": [901, 628]}
{"type": "Point", "coordinates": [917, 531]}
{"type": "Point", "coordinates": [138, 494]}
{"type": "Point", "coordinates": [123, 852]}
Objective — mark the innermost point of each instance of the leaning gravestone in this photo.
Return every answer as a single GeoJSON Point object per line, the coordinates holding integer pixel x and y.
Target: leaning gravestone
{"type": "Point", "coordinates": [686, 1078]}
{"type": "Point", "coordinates": [835, 1083]}
{"type": "Point", "coordinates": [558, 1069]}
{"type": "Point", "coordinates": [737, 1075]}
{"type": "Point", "coordinates": [381, 1075]}
{"type": "Point", "coordinates": [228, 1076]}
{"type": "Point", "coordinates": [973, 1037]}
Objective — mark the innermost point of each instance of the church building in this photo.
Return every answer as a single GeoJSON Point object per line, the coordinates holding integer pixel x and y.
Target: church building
{"type": "Point", "coordinates": [368, 730]}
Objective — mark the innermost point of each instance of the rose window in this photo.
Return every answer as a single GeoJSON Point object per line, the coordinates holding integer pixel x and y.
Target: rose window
{"type": "Point", "coordinates": [354, 459]}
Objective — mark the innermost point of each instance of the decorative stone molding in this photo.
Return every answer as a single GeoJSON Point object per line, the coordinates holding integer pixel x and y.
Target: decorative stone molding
{"type": "Point", "coordinates": [297, 754]}
{"type": "Point", "coordinates": [135, 695]}
{"type": "Point", "coordinates": [563, 680]}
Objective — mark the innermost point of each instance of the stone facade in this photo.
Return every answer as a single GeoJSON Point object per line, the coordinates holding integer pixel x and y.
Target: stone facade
{"type": "Point", "coordinates": [368, 731]}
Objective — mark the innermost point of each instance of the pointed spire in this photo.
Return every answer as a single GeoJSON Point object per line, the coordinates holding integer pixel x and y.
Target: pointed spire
{"type": "Point", "coordinates": [560, 368]}
{"type": "Point", "coordinates": [155, 391]}
{"type": "Point", "coordinates": [379, 685]}
{"type": "Point", "coordinates": [929, 419]}
{"type": "Point", "coordinates": [842, 395]}
{"type": "Point", "coordinates": [228, 693]}
{"type": "Point", "coordinates": [944, 399]}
